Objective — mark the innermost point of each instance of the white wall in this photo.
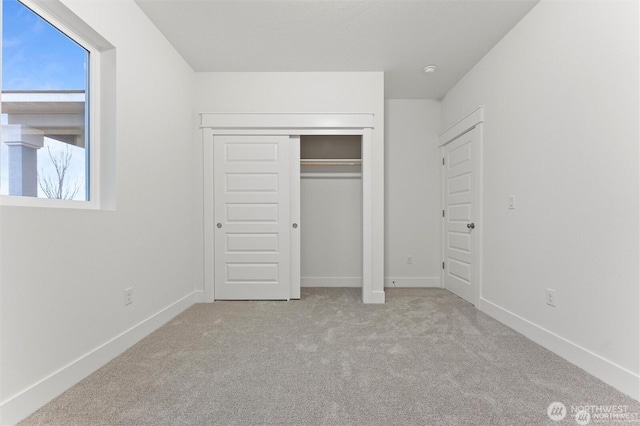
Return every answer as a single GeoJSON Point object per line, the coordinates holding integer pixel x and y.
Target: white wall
{"type": "Point", "coordinates": [63, 272]}
{"type": "Point", "coordinates": [331, 232]}
{"type": "Point", "coordinates": [307, 92]}
{"type": "Point", "coordinates": [412, 188]}
{"type": "Point", "coordinates": [561, 133]}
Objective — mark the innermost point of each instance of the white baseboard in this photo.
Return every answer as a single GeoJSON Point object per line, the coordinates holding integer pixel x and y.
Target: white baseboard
{"type": "Point", "coordinates": [427, 282]}
{"type": "Point", "coordinates": [407, 282]}
{"type": "Point", "coordinates": [619, 377]}
{"type": "Point", "coordinates": [198, 297]}
{"type": "Point", "coordinates": [330, 281]}
{"type": "Point", "coordinates": [21, 405]}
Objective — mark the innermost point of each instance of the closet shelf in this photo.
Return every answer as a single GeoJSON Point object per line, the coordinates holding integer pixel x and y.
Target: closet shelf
{"type": "Point", "coordinates": [331, 162]}
{"type": "Point", "coordinates": [330, 175]}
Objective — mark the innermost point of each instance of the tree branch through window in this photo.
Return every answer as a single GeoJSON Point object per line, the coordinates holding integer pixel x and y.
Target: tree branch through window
{"type": "Point", "coordinates": [59, 186]}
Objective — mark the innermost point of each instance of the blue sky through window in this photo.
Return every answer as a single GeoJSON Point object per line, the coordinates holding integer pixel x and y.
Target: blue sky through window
{"type": "Point", "coordinates": [37, 56]}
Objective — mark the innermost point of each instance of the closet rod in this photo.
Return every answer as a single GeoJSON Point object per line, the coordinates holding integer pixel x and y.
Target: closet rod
{"type": "Point", "coordinates": [331, 162]}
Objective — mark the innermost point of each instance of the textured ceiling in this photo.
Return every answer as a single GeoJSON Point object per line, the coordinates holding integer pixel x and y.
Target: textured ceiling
{"type": "Point", "coordinates": [398, 37]}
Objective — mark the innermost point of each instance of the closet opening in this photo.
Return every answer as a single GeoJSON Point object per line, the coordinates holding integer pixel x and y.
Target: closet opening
{"type": "Point", "coordinates": [331, 211]}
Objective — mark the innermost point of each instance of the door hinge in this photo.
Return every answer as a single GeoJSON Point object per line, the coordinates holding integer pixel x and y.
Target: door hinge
{"type": "Point", "coordinates": [443, 161]}
{"type": "Point", "coordinates": [442, 213]}
{"type": "Point", "coordinates": [442, 265]}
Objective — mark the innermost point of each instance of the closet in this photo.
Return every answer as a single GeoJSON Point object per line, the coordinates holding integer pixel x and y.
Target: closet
{"type": "Point", "coordinates": [331, 210]}
{"type": "Point", "coordinates": [287, 202]}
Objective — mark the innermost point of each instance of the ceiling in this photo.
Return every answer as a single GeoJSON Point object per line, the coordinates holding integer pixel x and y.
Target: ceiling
{"type": "Point", "coordinates": [398, 37]}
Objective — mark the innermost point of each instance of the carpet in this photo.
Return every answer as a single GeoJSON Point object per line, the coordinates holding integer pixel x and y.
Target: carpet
{"type": "Point", "coordinates": [426, 357]}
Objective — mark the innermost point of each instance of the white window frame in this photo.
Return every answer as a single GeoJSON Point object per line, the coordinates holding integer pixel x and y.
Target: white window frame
{"type": "Point", "coordinates": [54, 13]}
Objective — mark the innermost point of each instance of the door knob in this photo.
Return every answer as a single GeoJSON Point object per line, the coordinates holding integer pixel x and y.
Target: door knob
{"type": "Point", "coordinates": [471, 225]}
{"type": "Point", "coordinates": [219, 225]}
{"type": "Point", "coordinates": [295, 225]}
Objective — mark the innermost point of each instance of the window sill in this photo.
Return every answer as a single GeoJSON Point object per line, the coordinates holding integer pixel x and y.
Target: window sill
{"type": "Point", "coordinates": [18, 201]}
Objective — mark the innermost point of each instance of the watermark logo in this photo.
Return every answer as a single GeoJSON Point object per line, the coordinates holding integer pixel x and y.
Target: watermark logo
{"type": "Point", "coordinates": [588, 414]}
{"type": "Point", "coordinates": [592, 414]}
{"type": "Point", "coordinates": [583, 417]}
{"type": "Point", "coordinates": [557, 411]}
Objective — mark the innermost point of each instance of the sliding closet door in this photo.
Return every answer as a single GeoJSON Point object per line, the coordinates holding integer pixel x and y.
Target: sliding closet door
{"type": "Point", "coordinates": [252, 215]}
{"type": "Point", "coordinates": [294, 211]}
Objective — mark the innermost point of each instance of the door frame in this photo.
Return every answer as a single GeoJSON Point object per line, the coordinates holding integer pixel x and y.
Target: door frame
{"type": "Point", "coordinates": [294, 124]}
{"type": "Point", "coordinates": [475, 119]}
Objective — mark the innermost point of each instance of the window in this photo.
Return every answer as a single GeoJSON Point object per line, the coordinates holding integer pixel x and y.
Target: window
{"type": "Point", "coordinates": [45, 113]}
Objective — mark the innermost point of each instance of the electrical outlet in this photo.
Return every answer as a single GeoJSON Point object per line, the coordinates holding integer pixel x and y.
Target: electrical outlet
{"type": "Point", "coordinates": [128, 296]}
{"type": "Point", "coordinates": [551, 297]}
{"type": "Point", "coordinates": [409, 260]}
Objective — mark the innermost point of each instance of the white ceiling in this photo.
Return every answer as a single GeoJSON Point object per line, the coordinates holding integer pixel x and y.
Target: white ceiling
{"type": "Point", "coordinates": [398, 37]}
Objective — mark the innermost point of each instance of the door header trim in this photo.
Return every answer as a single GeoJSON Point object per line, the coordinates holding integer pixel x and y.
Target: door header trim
{"type": "Point", "coordinates": [463, 125]}
{"type": "Point", "coordinates": [286, 121]}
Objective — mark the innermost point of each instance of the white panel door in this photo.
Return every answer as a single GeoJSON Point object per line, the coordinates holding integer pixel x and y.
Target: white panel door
{"type": "Point", "coordinates": [252, 237]}
{"type": "Point", "coordinates": [459, 213]}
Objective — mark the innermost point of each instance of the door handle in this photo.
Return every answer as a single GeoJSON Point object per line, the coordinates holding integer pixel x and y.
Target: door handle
{"type": "Point", "coordinates": [471, 225]}
{"type": "Point", "coordinates": [219, 225]}
{"type": "Point", "coordinates": [295, 225]}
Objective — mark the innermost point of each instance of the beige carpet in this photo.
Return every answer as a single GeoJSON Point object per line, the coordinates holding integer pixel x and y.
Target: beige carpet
{"type": "Point", "coordinates": [424, 357]}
